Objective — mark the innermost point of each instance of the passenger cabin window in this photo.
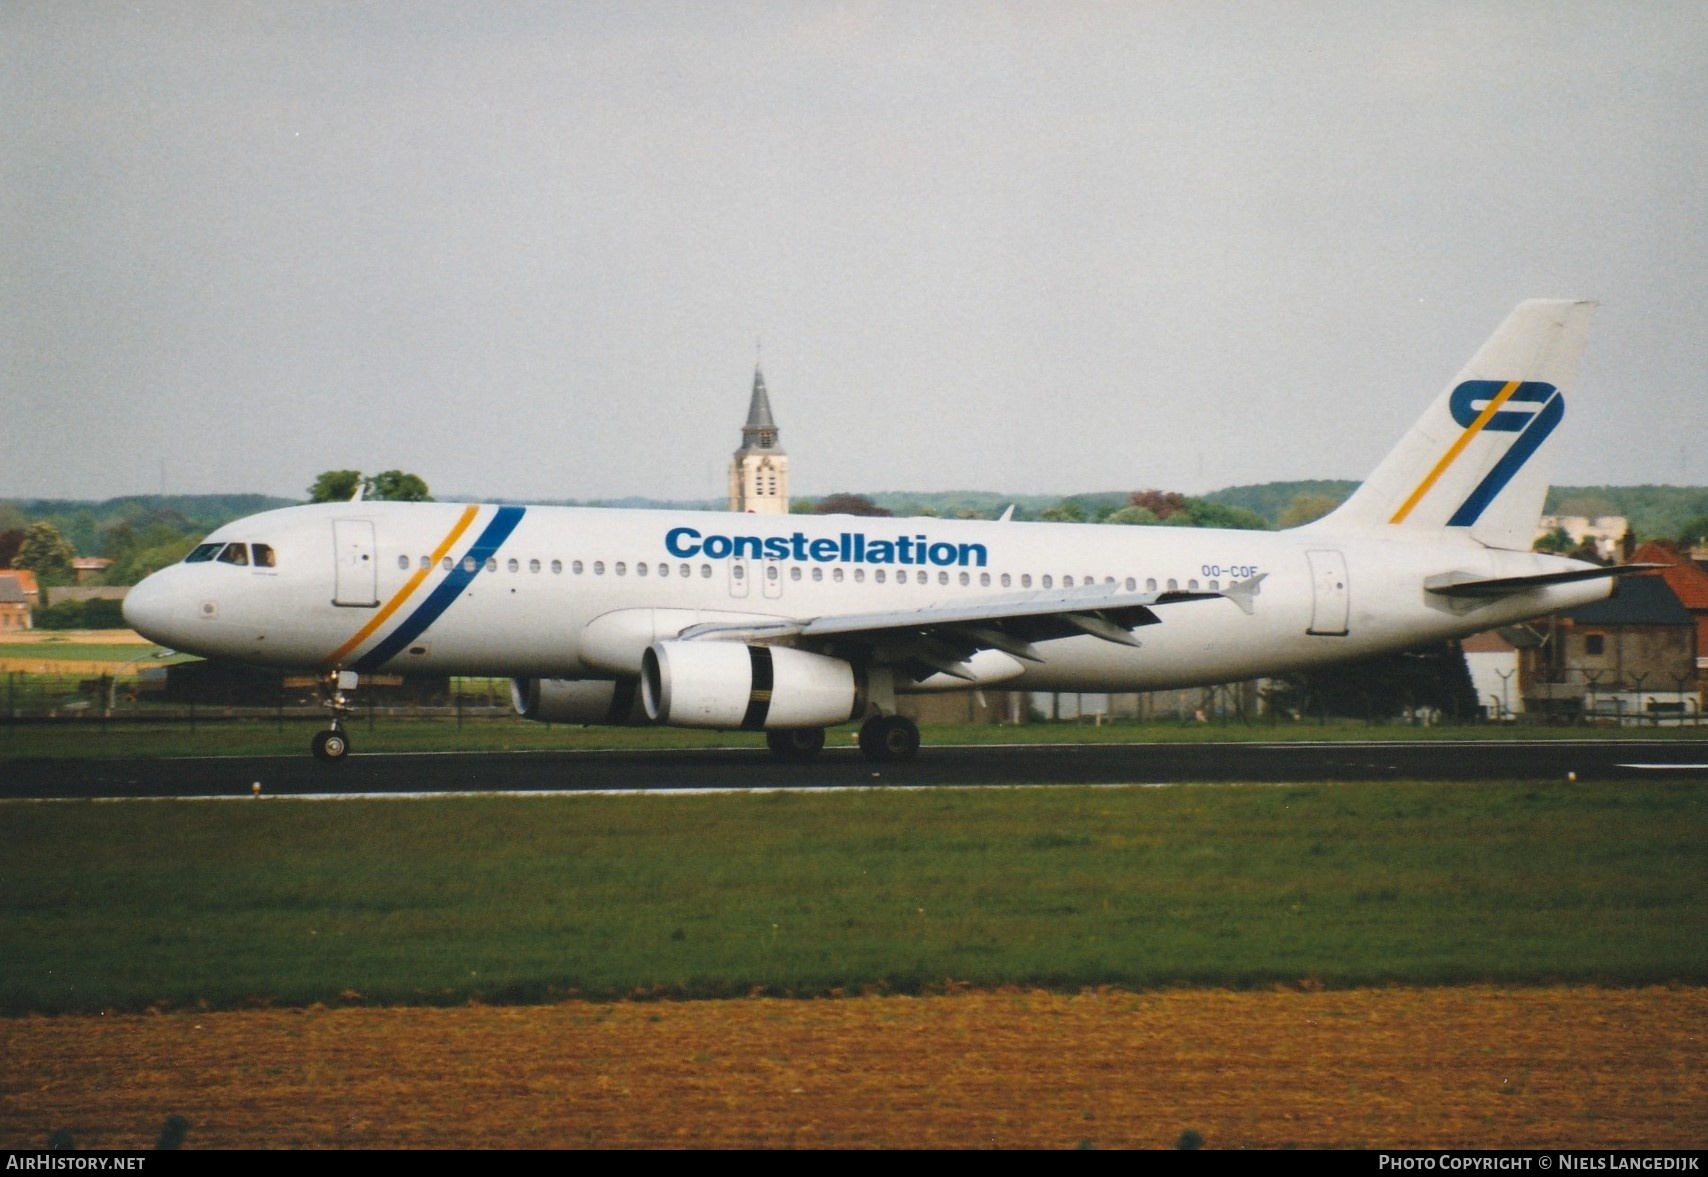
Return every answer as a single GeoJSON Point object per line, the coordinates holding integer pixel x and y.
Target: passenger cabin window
{"type": "Point", "coordinates": [403, 563]}
{"type": "Point", "coordinates": [235, 554]}
{"type": "Point", "coordinates": [513, 565]}
{"type": "Point", "coordinates": [557, 567]}
{"type": "Point", "coordinates": [202, 553]}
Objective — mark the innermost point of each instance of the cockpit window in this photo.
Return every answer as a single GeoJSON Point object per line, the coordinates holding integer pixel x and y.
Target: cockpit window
{"type": "Point", "coordinates": [235, 554]}
{"type": "Point", "coordinates": [264, 557]}
{"type": "Point", "coordinates": [202, 553]}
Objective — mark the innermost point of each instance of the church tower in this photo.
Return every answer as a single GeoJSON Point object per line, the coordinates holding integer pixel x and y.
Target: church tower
{"type": "Point", "coordinates": [759, 475]}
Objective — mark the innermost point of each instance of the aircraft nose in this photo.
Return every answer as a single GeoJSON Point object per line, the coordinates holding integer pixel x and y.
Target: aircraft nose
{"type": "Point", "coordinates": [148, 609]}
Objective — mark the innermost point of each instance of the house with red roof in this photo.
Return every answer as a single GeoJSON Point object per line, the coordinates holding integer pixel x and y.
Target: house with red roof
{"type": "Point", "coordinates": [1689, 583]}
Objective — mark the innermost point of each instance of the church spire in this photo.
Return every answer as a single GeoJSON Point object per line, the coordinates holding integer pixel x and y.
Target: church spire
{"type": "Point", "coordinates": [760, 432]}
{"type": "Point", "coordinates": [759, 475]}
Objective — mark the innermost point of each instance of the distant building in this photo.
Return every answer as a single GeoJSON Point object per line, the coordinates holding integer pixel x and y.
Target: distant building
{"type": "Point", "coordinates": [87, 568]}
{"type": "Point", "coordinates": [1631, 657]}
{"type": "Point", "coordinates": [759, 473]}
{"type": "Point", "coordinates": [1689, 583]}
{"type": "Point", "coordinates": [14, 609]}
{"type": "Point", "coordinates": [1606, 532]}
{"type": "Point", "coordinates": [1492, 659]}
{"type": "Point", "coordinates": [19, 597]}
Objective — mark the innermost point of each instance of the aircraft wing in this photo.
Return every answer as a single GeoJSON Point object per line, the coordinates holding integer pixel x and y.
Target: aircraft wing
{"type": "Point", "coordinates": [943, 636]}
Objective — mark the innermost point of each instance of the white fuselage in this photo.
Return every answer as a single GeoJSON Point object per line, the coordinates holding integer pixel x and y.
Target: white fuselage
{"type": "Point", "coordinates": [574, 593]}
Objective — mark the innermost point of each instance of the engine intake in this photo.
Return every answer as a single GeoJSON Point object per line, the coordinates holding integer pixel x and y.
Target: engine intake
{"type": "Point", "coordinates": [568, 700]}
{"type": "Point", "coordinates": [727, 685]}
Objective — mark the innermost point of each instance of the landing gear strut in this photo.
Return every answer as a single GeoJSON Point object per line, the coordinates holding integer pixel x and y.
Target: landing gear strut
{"type": "Point", "coordinates": [889, 737]}
{"type": "Point", "coordinates": [802, 743]}
{"type": "Point", "coordinates": [333, 744]}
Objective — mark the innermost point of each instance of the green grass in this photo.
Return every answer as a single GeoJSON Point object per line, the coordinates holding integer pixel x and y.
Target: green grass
{"type": "Point", "coordinates": [57, 650]}
{"type": "Point", "coordinates": [120, 905]}
{"type": "Point", "coordinates": [94, 738]}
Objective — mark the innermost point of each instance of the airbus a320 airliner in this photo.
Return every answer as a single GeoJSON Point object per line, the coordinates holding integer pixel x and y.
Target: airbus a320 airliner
{"type": "Point", "coordinates": [792, 624]}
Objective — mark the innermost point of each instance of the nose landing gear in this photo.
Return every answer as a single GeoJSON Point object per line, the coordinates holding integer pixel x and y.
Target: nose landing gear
{"type": "Point", "coordinates": [330, 745]}
{"type": "Point", "coordinates": [333, 745]}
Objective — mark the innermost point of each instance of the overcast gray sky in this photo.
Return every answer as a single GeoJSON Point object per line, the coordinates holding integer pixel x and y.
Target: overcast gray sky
{"type": "Point", "coordinates": [525, 250]}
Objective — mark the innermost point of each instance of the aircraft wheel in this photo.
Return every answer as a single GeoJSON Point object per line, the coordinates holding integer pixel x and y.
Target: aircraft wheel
{"type": "Point", "coordinates": [330, 746]}
{"type": "Point", "coordinates": [889, 737]}
{"type": "Point", "coordinates": [802, 743]}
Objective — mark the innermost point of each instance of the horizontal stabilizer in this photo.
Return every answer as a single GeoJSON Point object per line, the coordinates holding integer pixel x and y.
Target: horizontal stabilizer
{"type": "Point", "coordinates": [1464, 584]}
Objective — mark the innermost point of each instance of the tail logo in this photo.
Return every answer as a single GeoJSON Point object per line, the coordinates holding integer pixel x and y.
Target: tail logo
{"type": "Point", "coordinates": [1499, 407]}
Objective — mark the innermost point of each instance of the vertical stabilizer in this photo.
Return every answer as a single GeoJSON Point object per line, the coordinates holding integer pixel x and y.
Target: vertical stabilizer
{"type": "Point", "coordinates": [1479, 459]}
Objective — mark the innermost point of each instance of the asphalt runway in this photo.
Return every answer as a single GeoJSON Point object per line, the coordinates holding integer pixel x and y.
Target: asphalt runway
{"type": "Point", "coordinates": [1010, 765]}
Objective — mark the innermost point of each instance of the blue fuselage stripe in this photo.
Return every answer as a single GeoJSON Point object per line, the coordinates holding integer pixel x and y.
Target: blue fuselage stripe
{"type": "Point", "coordinates": [449, 589]}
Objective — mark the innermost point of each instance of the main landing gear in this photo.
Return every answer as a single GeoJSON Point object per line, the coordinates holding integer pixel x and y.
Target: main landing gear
{"type": "Point", "coordinates": [801, 743]}
{"type": "Point", "coordinates": [889, 737]}
{"type": "Point", "coordinates": [882, 738]}
{"type": "Point", "coordinates": [333, 745]}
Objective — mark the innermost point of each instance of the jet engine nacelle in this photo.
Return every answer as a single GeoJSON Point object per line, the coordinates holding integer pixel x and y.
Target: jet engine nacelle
{"type": "Point", "coordinates": [728, 685]}
{"type": "Point", "coordinates": [568, 700]}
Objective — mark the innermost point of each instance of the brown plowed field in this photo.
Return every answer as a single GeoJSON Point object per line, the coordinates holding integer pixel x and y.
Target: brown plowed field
{"type": "Point", "coordinates": [1426, 1068]}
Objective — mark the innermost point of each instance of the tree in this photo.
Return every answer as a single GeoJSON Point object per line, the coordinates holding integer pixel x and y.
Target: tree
{"type": "Point", "coordinates": [1066, 511]}
{"type": "Point", "coordinates": [1383, 687]}
{"type": "Point", "coordinates": [1306, 508]}
{"type": "Point", "coordinates": [398, 487]}
{"type": "Point", "coordinates": [140, 561]}
{"type": "Point", "coordinates": [46, 553]}
{"type": "Point", "coordinates": [1161, 503]}
{"type": "Point", "coordinates": [843, 503]}
{"type": "Point", "coordinates": [1694, 534]}
{"type": "Point", "coordinates": [1556, 541]}
{"type": "Point", "coordinates": [335, 486]}
{"type": "Point", "coordinates": [1140, 516]}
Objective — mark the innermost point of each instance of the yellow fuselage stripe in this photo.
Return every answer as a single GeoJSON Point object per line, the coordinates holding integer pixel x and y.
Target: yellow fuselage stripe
{"type": "Point", "coordinates": [402, 595]}
{"type": "Point", "coordinates": [1457, 448]}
